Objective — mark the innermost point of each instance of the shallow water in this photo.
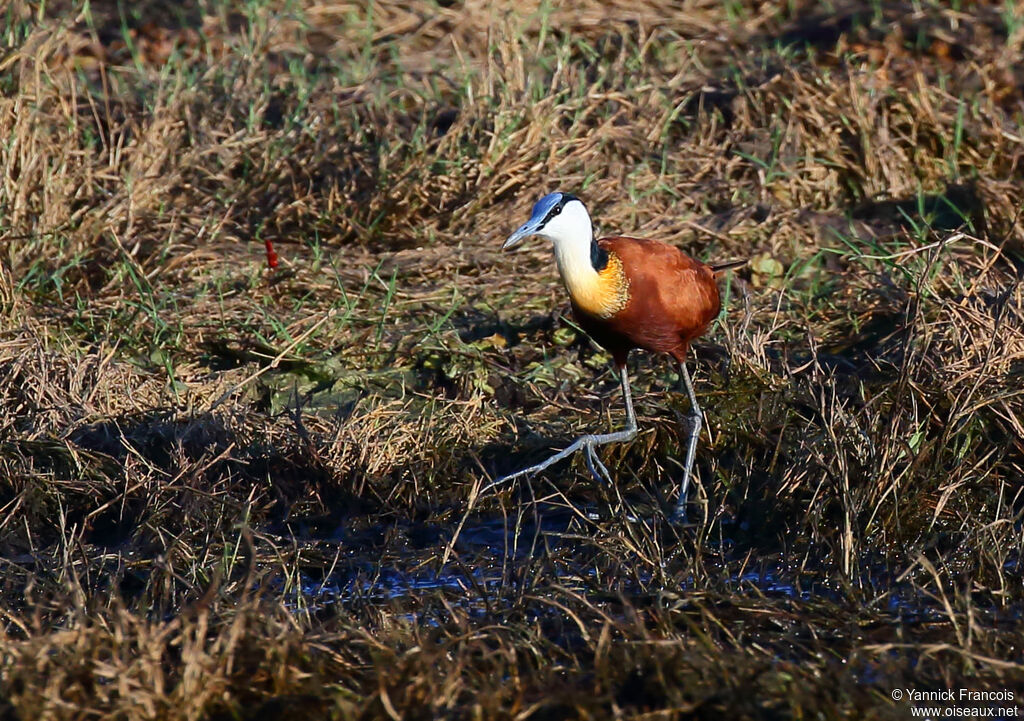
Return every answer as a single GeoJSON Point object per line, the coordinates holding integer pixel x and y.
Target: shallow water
{"type": "Point", "coordinates": [497, 560]}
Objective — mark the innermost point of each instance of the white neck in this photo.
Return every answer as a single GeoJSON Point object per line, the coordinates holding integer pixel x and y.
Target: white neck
{"type": "Point", "coordinates": [574, 264]}
{"type": "Point", "coordinates": [572, 235]}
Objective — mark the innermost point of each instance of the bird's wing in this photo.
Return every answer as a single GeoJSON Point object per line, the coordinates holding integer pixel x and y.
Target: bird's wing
{"type": "Point", "coordinates": [667, 288]}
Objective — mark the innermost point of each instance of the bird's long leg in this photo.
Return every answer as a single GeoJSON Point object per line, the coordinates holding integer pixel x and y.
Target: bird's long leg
{"type": "Point", "coordinates": [679, 514]}
{"type": "Point", "coordinates": [587, 443]}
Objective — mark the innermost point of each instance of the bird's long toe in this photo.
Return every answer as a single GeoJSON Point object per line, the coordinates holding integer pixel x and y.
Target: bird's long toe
{"type": "Point", "coordinates": [597, 469]}
{"type": "Point", "coordinates": [604, 470]}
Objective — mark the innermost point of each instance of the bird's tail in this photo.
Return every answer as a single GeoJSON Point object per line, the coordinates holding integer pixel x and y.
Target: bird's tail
{"type": "Point", "coordinates": [720, 268]}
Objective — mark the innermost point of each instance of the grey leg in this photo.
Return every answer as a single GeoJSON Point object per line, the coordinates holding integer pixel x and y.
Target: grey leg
{"type": "Point", "coordinates": [587, 443]}
{"type": "Point", "coordinates": [679, 514]}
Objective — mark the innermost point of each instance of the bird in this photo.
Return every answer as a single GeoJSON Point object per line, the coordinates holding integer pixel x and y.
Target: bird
{"type": "Point", "coordinates": [626, 293]}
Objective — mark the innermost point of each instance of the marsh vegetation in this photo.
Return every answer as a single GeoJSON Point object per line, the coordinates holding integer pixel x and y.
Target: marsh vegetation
{"type": "Point", "coordinates": [236, 493]}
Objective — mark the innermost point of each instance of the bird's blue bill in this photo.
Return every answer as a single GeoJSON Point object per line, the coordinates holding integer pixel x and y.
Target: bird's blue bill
{"type": "Point", "coordinates": [525, 231]}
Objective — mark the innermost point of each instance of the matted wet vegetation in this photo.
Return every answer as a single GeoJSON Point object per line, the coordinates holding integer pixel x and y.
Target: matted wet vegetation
{"type": "Point", "coordinates": [231, 492]}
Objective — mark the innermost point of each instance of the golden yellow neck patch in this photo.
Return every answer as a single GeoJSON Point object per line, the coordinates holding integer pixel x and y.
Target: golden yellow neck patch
{"type": "Point", "coordinates": [602, 293]}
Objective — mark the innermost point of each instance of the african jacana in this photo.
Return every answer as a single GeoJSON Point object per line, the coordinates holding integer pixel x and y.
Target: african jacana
{"type": "Point", "coordinates": [626, 293]}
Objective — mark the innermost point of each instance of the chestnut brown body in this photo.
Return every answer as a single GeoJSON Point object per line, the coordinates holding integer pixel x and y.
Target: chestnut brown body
{"type": "Point", "coordinates": [669, 299]}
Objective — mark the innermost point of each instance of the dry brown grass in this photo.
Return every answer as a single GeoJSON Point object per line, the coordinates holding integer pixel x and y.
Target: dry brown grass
{"type": "Point", "coordinates": [235, 494]}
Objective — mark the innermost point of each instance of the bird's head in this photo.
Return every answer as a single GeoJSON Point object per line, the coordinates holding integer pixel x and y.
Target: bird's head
{"type": "Point", "coordinates": [559, 217]}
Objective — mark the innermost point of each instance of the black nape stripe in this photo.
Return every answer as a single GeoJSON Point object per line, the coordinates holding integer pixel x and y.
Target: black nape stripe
{"type": "Point", "coordinates": [598, 256]}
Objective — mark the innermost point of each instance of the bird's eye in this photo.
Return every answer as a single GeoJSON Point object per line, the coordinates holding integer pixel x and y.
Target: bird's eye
{"type": "Point", "coordinates": [556, 210]}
